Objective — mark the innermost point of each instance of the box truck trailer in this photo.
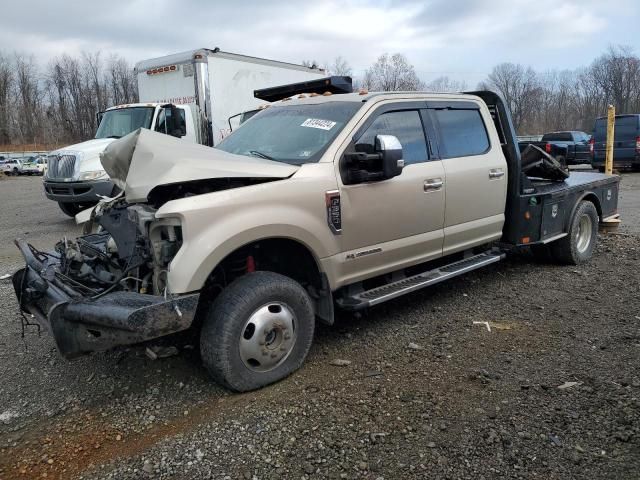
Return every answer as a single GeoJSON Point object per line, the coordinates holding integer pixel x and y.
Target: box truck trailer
{"type": "Point", "coordinates": [189, 95]}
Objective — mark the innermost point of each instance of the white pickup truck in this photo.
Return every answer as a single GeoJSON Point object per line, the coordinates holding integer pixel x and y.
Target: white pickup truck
{"type": "Point", "coordinates": [316, 203]}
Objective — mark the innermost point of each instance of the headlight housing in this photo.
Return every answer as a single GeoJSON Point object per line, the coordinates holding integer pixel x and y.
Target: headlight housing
{"type": "Point", "coordinates": [92, 175]}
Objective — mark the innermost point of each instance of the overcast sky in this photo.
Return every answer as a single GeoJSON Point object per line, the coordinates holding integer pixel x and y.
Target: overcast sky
{"type": "Point", "coordinates": [459, 38]}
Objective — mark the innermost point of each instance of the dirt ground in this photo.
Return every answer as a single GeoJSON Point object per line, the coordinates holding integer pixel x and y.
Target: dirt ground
{"type": "Point", "coordinates": [520, 370]}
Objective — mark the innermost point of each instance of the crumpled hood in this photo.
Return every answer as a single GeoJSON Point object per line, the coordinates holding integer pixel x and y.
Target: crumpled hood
{"type": "Point", "coordinates": [144, 159]}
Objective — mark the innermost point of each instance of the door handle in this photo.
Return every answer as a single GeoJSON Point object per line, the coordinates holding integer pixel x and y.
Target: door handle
{"type": "Point", "coordinates": [433, 184]}
{"type": "Point", "coordinates": [496, 173]}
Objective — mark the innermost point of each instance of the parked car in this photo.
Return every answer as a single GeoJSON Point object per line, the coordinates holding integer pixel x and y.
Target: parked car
{"type": "Point", "coordinates": [626, 142]}
{"type": "Point", "coordinates": [317, 203]}
{"type": "Point", "coordinates": [31, 166]}
{"type": "Point", "coordinates": [10, 166]}
{"type": "Point", "coordinates": [41, 164]}
{"type": "Point", "coordinates": [568, 147]}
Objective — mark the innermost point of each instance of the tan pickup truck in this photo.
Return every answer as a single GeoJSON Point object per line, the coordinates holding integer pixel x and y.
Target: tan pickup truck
{"type": "Point", "coordinates": [318, 202]}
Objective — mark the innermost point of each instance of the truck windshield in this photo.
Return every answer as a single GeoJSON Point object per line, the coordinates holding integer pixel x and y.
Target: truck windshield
{"type": "Point", "coordinates": [122, 121]}
{"type": "Point", "coordinates": [294, 134]}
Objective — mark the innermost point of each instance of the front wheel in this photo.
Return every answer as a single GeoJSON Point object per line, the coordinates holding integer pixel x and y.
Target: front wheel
{"type": "Point", "coordinates": [258, 331]}
{"type": "Point", "coordinates": [577, 247]}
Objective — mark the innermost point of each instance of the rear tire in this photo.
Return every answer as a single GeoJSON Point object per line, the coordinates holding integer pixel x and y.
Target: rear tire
{"type": "Point", "coordinates": [577, 247]}
{"type": "Point", "coordinates": [70, 209]}
{"type": "Point", "coordinates": [258, 331]}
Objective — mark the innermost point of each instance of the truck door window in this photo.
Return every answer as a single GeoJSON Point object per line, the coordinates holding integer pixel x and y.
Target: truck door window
{"type": "Point", "coordinates": [461, 132]}
{"type": "Point", "coordinates": [406, 125]}
{"type": "Point", "coordinates": [161, 123]}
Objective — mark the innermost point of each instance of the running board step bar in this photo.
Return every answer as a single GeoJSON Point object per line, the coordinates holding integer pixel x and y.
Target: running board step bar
{"type": "Point", "coordinates": [369, 298]}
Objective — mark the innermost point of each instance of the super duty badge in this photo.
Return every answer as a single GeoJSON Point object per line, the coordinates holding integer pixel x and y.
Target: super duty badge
{"type": "Point", "coordinates": [334, 215]}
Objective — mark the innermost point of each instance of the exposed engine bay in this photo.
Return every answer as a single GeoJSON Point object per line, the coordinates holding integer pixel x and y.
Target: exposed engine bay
{"type": "Point", "coordinates": [129, 251]}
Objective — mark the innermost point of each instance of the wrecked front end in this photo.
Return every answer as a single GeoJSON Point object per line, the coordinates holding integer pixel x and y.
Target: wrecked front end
{"type": "Point", "coordinates": [107, 288]}
{"type": "Point", "coordinates": [110, 287]}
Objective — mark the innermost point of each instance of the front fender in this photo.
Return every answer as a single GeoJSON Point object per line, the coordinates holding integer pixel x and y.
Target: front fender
{"type": "Point", "coordinates": [196, 259]}
{"type": "Point", "coordinates": [214, 225]}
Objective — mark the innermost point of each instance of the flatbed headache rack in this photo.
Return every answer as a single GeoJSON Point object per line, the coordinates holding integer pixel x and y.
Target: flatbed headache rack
{"type": "Point", "coordinates": [334, 84]}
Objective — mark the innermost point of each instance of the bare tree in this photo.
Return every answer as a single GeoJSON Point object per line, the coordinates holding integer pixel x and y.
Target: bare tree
{"type": "Point", "coordinates": [340, 66]}
{"type": "Point", "coordinates": [28, 98]}
{"type": "Point", "coordinates": [6, 84]}
{"type": "Point", "coordinates": [445, 84]}
{"type": "Point", "coordinates": [617, 73]}
{"type": "Point", "coordinates": [310, 64]}
{"type": "Point", "coordinates": [58, 104]}
{"type": "Point", "coordinates": [519, 87]}
{"type": "Point", "coordinates": [392, 73]}
{"type": "Point", "coordinates": [121, 81]}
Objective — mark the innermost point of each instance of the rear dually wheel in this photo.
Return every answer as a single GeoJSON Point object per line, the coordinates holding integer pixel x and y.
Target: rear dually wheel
{"type": "Point", "coordinates": [577, 247]}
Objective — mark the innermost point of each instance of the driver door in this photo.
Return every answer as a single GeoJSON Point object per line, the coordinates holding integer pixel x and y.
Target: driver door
{"type": "Point", "coordinates": [393, 223]}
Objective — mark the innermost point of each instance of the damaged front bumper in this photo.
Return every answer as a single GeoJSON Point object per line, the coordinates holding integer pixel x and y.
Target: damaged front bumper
{"type": "Point", "coordinates": [80, 324]}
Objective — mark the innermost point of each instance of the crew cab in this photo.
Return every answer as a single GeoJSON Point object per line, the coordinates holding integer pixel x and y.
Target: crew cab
{"type": "Point", "coordinates": [569, 147]}
{"type": "Point", "coordinates": [317, 203]}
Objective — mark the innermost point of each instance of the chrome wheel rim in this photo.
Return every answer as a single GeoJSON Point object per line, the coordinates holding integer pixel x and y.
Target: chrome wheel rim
{"type": "Point", "coordinates": [583, 235]}
{"type": "Point", "coordinates": [268, 337]}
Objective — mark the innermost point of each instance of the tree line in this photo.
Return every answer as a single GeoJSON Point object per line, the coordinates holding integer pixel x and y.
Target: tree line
{"type": "Point", "coordinates": [539, 101]}
{"type": "Point", "coordinates": [57, 104]}
{"type": "Point", "coordinates": [569, 99]}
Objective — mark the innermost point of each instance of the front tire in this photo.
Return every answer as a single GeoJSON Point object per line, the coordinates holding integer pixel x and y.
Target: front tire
{"type": "Point", "coordinates": [577, 247]}
{"type": "Point", "coordinates": [258, 331]}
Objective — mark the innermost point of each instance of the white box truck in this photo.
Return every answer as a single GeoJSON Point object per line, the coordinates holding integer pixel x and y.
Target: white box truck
{"type": "Point", "coordinates": [190, 95]}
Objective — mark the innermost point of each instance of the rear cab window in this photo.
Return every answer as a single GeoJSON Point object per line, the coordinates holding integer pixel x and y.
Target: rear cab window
{"type": "Point", "coordinates": [557, 137]}
{"type": "Point", "coordinates": [461, 131]}
{"type": "Point", "coordinates": [626, 128]}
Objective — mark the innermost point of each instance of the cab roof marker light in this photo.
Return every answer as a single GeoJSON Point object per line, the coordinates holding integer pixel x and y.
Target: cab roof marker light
{"type": "Point", "coordinates": [363, 91]}
{"type": "Point", "coordinates": [167, 68]}
{"type": "Point", "coordinates": [327, 94]}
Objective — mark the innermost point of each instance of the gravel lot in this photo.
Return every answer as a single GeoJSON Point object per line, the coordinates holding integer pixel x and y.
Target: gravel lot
{"type": "Point", "coordinates": [552, 391]}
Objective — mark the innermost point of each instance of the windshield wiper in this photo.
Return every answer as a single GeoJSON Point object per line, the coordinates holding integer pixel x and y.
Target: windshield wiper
{"type": "Point", "coordinates": [261, 155]}
{"type": "Point", "coordinates": [114, 136]}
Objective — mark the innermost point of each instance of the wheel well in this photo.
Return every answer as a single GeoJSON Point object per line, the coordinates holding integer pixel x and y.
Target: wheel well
{"type": "Point", "coordinates": [593, 198]}
{"type": "Point", "coordinates": [280, 255]}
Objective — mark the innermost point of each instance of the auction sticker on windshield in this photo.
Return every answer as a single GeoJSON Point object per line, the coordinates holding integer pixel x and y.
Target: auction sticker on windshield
{"type": "Point", "coordinates": [318, 123]}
